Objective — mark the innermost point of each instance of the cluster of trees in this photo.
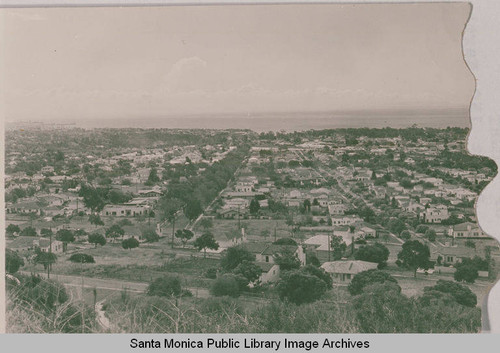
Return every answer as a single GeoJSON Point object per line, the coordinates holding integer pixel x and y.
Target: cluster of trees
{"type": "Point", "coordinates": [414, 255]}
{"type": "Point", "coordinates": [198, 191]}
{"type": "Point", "coordinates": [95, 198]}
{"type": "Point", "coordinates": [377, 253]}
{"type": "Point", "coordinates": [304, 285]}
{"type": "Point", "coordinates": [467, 270]}
{"type": "Point", "coordinates": [238, 272]}
{"type": "Point", "coordinates": [380, 306]}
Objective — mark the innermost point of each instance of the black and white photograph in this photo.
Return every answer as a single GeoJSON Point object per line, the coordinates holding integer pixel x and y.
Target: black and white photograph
{"type": "Point", "coordinates": [286, 168]}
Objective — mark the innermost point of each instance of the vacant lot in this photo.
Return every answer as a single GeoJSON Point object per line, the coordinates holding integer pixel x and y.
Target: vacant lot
{"type": "Point", "coordinates": [224, 229]}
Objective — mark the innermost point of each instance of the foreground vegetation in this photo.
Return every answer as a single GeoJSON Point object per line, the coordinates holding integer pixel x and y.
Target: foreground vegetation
{"type": "Point", "coordinates": [38, 305]}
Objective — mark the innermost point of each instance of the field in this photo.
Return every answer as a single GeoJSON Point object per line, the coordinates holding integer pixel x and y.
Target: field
{"type": "Point", "coordinates": [223, 229]}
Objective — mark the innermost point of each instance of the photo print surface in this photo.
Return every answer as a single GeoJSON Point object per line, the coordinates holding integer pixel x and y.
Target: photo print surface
{"type": "Point", "coordinates": [242, 169]}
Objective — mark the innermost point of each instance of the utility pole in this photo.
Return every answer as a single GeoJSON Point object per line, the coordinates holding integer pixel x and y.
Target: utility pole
{"type": "Point", "coordinates": [83, 302]}
{"type": "Point", "coordinates": [329, 245]}
{"type": "Point", "coordinates": [50, 253]}
{"type": "Point", "coordinates": [173, 230]}
{"type": "Point", "coordinates": [239, 222]}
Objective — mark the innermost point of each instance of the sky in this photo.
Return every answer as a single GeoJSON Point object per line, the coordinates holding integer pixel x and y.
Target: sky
{"type": "Point", "coordinates": [68, 64]}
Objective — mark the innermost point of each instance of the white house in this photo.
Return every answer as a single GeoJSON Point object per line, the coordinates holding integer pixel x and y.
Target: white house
{"type": "Point", "coordinates": [344, 271]}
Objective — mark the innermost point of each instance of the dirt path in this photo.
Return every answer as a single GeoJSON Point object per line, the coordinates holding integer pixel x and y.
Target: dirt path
{"type": "Point", "coordinates": [112, 284]}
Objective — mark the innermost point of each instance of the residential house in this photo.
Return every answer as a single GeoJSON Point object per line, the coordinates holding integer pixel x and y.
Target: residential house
{"type": "Point", "coordinates": [264, 252]}
{"type": "Point", "coordinates": [338, 220]}
{"type": "Point", "coordinates": [45, 245]}
{"type": "Point", "coordinates": [466, 230]}
{"type": "Point", "coordinates": [344, 271]}
{"type": "Point", "coordinates": [125, 210]}
{"type": "Point", "coordinates": [435, 214]}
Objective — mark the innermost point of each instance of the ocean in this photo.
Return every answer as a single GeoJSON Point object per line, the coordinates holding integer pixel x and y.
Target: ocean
{"type": "Point", "coordinates": [288, 122]}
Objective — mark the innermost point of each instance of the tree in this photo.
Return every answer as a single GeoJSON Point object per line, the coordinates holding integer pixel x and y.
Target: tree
{"type": "Point", "coordinates": [44, 258]}
{"type": "Point", "coordinates": [430, 234]}
{"type": "Point", "coordinates": [462, 294]}
{"type": "Point", "coordinates": [320, 273]}
{"type": "Point", "coordinates": [82, 258]}
{"type": "Point", "coordinates": [285, 241]}
{"type": "Point", "coordinates": [96, 238]}
{"type": "Point", "coordinates": [150, 235]}
{"type": "Point", "coordinates": [204, 242]}
{"type": "Point", "coordinates": [96, 220]}
{"type": "Point", "coordinates": [312, 259]}
{"type": "Point", "coordinates": [307, 205]}
{"type": "Point", "coordinates": [234, 256]}
{"type": "Point", "coordinates": [12, 229]}
{"type": "Point", "coordinates": [118, 197]}
{"type": "Point", "coordinates": [93, 198]}
{"type": "Point", "coordinates": [28, 232]}
{"type": "Point", "coordinates": [167, 286]}
{"type": "Point", "coordinates": [338, 246]}
{"type": "Point", "coordinates": [153, 176]}
{"type": "Point", "coordinates": [225, 285]}
{"type": "Point", "coordinates": [373, 253]}
{"type": "Point", "coordinates": [45, 232]}
{"type": "Point", "coordinates": [396, 226]}
{"type": "Point", "coordinates": [115, 231]}
{"type": "Point", "coordinates": [130, 243]}
{"type": "Point", "coordinates": [206, 223]}
{"type": "Point", "coordinates": [466, 272]}
{"type": "Point", "coordinates": [66, 236]}
{"type": "Point", "coordinates": [254, 206]}
{"type": "Point", "coordinates": [366, 278]}
{"type": "Point", "coordinates": [414, 255]}
{"type": "Point", "coordinates": [193, 209]}
{"type": "Point", "coordinates": [286, 259]}
{"type": "Point", "coordinates": [300, 287]}
{"type": "Point", "coordinates": [167, 209]}
{"type": "Point", "coordinates": [184, 235]}
{"type": "Point", "coordinates": [248, 270]}
{"type": "Point", "coordinates": [12, 261]}
{"type": "Point", "coordinates": [405, 235]}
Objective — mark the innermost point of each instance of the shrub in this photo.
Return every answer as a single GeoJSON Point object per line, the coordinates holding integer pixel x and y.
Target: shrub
{"type": "Point", "coordinates": [285, 241]}
{"type": "Point", "coordinates": [28, 232]}
{"type": "Point", "coordinates": [466, 272]}
{"type": "Point", "coordinates": [211, 273]}
{"type": "Point", "coordinates": [365, 278]}
{"type": "Point", "coordinates": [82, 258]}
{"type": "Point", "coordinates": [462, 294]}
{"type": "Point", "coordinates": [96, 238]}
{"type": "Point", "coordinates": [430, 234]}
{"type": "Point", "coordinates": [130, 243]}
{"type": "Point", "coordinates": [300, 287]}
{"type": "Point", "coordinates": [226, 285]}
{"type": "Point", "coordinates": [12, 261]}
{"type": "Point", "coordinates": [165, 287]}
{"type": "Point", "coordinates": [383, 309]}
{"type": "Point", "coordinates": [150, 235]}
{"type": "Point", "coordinates": [405, 235]}
{"type": "Point", "coordinates": [234, 256]}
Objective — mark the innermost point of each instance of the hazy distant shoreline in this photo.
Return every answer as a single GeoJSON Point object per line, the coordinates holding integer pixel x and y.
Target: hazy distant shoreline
{"type": "Point", "coordinates": [280, 121]}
